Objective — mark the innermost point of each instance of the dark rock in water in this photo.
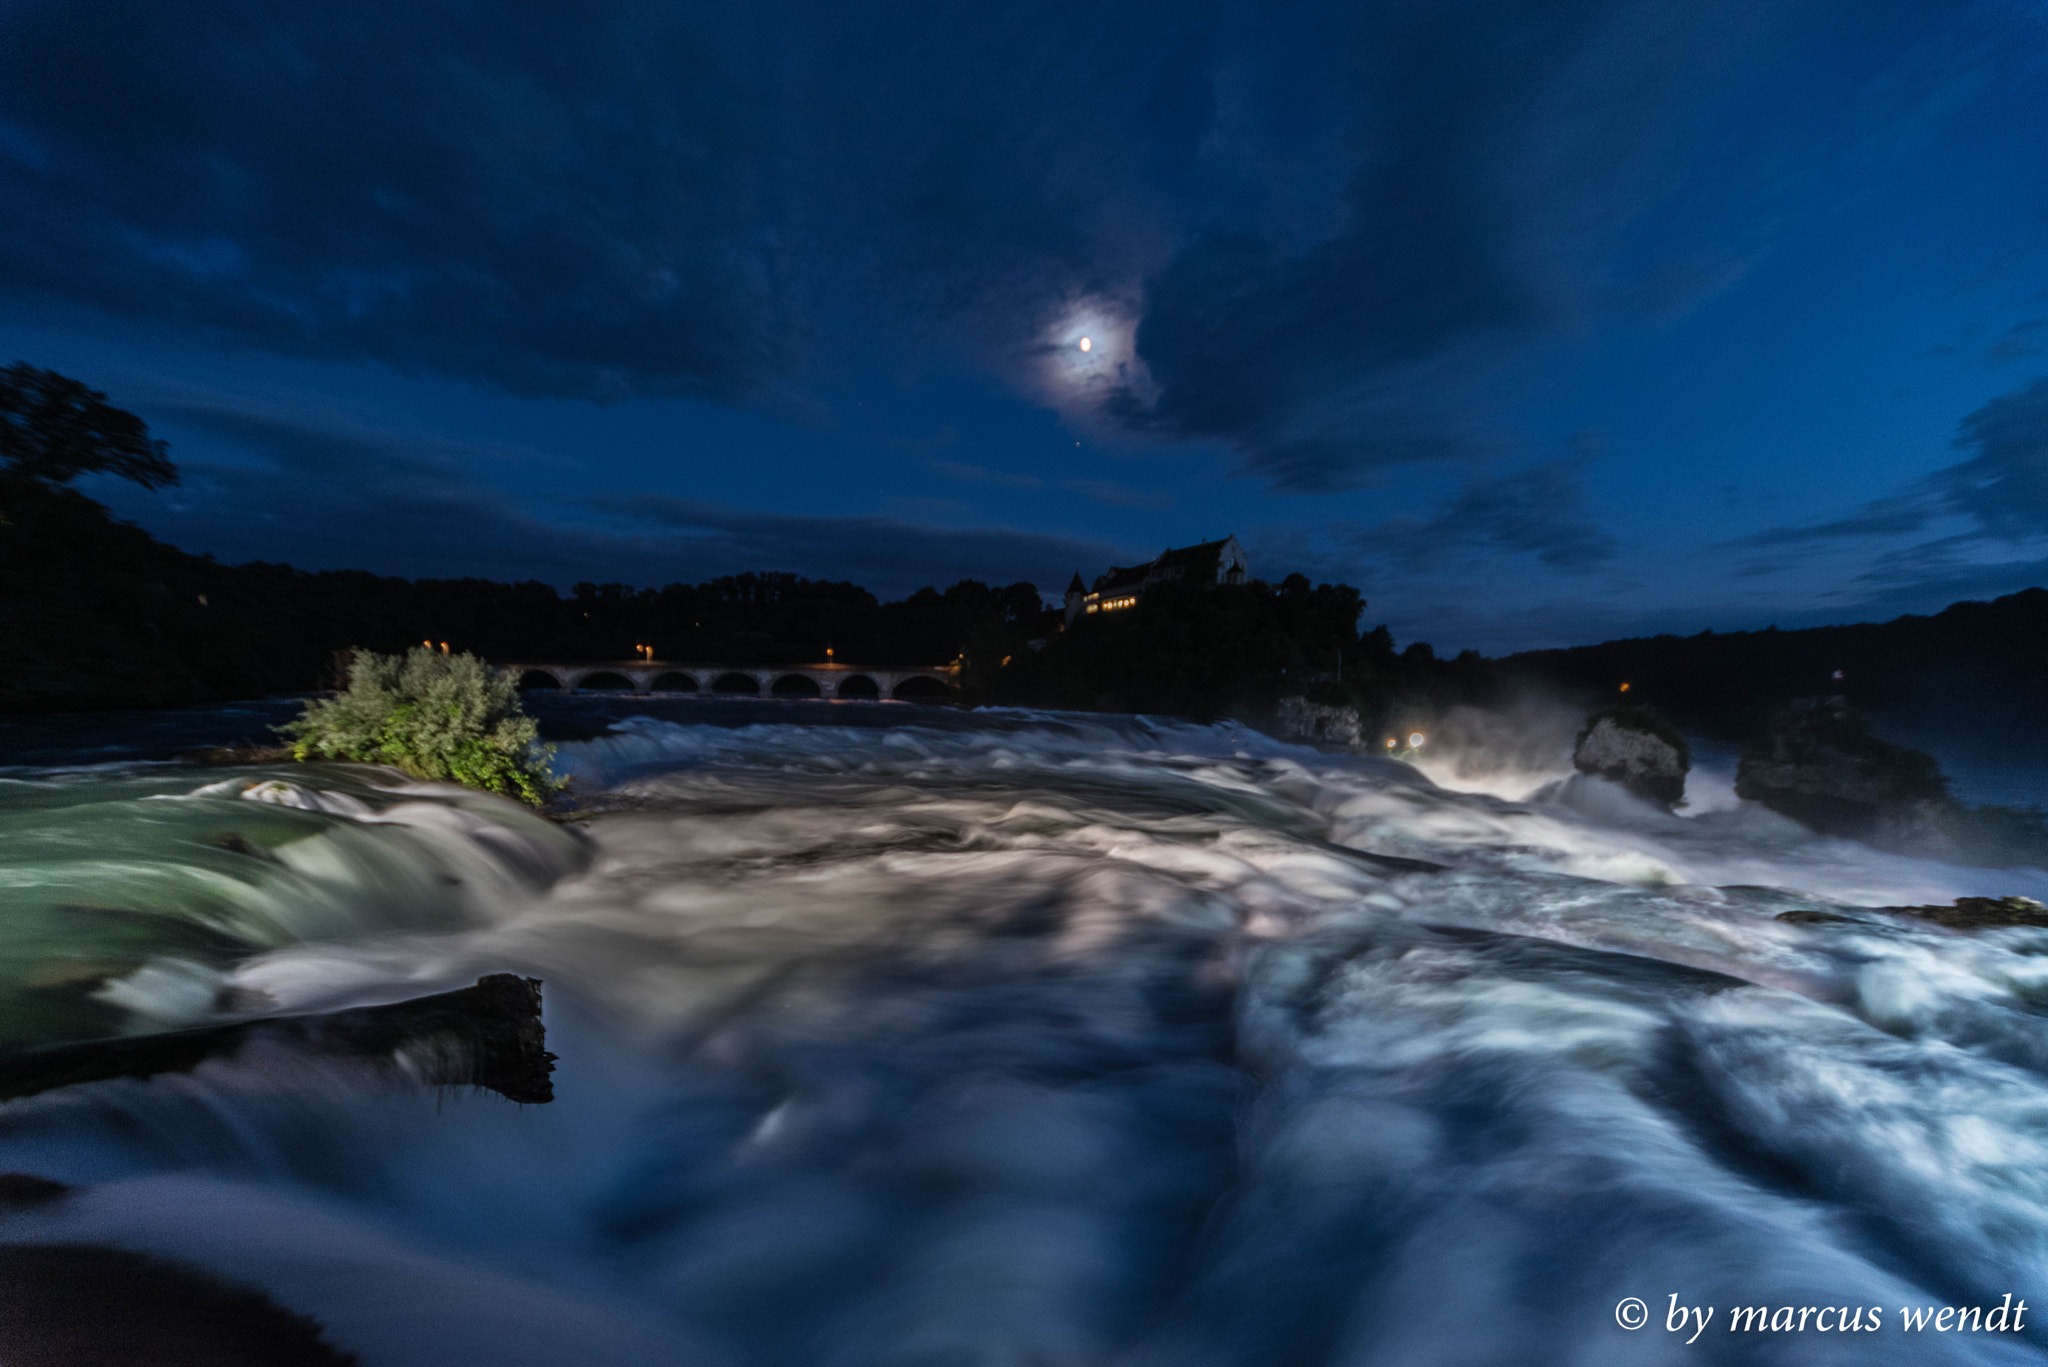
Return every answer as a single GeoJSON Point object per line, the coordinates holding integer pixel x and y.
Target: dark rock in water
{"type": "Point", "coordinates": [1320, 723]}
{"type": "Point", "coordinates": [1813, 918]}
{"type": "Point", "coordinates": [1980, 913]}
{"type": "Point", "coordinates": [71, 1305]}
{"type": "Point", "coordinates": [1821, 766]}
{"type": "Point", "coordinates": [1638, 749]}
{"type": "Point", "coordinates": [21, 1189]}
{"type": "Point", "coordinates": [489, 1035]}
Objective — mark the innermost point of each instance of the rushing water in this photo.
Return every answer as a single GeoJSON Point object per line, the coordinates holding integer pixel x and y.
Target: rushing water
{"type": "Point", "coordinates": [915, 1039]}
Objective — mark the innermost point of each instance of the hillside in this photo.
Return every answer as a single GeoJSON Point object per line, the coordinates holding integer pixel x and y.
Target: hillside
{"type": "Point", "coordinates": [1973, 667]}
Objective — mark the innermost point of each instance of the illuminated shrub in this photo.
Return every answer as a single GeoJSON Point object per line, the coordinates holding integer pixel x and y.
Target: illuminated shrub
{"type": "Point", "coordinates": [435, 716]}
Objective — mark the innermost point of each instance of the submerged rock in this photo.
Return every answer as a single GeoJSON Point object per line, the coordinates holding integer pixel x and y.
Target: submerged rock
{"type": "Point", "coordinates": [1821, 766]}
{"type": "Point", "coordinates": [1639, 750]}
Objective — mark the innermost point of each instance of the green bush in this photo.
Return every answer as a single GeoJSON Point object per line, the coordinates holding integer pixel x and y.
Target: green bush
{"type": "Point", "coordinates": [436, 717]}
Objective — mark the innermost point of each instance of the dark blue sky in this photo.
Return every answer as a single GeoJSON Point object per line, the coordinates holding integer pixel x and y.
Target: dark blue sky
{"type": "Point", "coordinates": [1541, 322]}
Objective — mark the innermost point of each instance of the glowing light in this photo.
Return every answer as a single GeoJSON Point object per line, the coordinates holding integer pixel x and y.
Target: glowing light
{"type": "Point", "coordinates": [1624, 688]}
{"type": "Point", "coordinates": [1390, 742]}
{"type": "Point", "coordinates": [1087, 344]}
{"type": "Point", "coordinates": [1415, 741]}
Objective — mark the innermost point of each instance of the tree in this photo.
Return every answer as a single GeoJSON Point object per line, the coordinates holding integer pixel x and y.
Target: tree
{"type": "Point", "coordinates": [54, 429]}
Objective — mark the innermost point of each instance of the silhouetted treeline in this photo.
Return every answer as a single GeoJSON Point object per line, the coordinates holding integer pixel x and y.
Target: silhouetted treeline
{"type": "Point", "coordinates": [97, 613]}
{"type": "Point", "coordinates": [1986, 660]}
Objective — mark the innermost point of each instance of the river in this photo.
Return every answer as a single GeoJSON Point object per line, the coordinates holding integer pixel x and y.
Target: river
{"type": "Point", "coordinates": [895, 1037]}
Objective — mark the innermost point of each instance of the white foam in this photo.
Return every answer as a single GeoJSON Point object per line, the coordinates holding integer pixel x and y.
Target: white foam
{"type": "Point", "coordinates": [1068, 1039]}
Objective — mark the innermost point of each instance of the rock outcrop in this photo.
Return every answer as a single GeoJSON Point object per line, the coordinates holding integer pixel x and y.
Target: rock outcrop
{"type": "Point", "coordinates": [1639, 750]}
{"type": "Point", "coordinates": [490, 1035]}
{"type": "Point", "coordinates": [1821, 766]}
{"type": "Point", "coordinates": [1321, 723]}
{"type": "Point", "coordinates": [1965, 913]}
{"type": "Point", "coordinates": [1980, 913]}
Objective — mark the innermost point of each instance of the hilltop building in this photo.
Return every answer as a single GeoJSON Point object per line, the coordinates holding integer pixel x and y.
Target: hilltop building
{"type": "Point", "coordinates": [1212, 562]}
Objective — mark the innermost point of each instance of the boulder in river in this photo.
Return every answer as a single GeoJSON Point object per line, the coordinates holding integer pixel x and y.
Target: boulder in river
{"type": "Point", "coordinates": [1638, 749]}
{"type": "Point", "coordinates": [1322, 723]}
{"type": "Point", "coordinates": [1821, 766]}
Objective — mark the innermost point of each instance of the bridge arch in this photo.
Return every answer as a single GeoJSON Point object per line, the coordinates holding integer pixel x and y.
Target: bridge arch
{"type": "Point", "coordinates": [796, 686]}
{"type": "Point", "coordinates": [675, 681]}
{"type": "Point", "coordinates": [921, 688]}
{"type": "Point", "coordinates": [538, 678]}
{"type": "Point", "coordinates": [858, 686]}
{"type": "Point", "coordinates": [606, 681]}
{"type": "Point", "coordinates": [735, 682]}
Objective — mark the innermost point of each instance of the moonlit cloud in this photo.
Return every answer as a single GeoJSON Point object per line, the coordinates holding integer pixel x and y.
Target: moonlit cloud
{"type": "Point", "coordinates": [1088, 357]}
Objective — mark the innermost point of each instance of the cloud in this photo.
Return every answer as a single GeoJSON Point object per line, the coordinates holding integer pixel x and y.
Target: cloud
{"type": "Point", "coordinates": [1327, 225]}
{"type": "Point", "coordinates": [558, 207]}
{"type": "Point", "coordinates": [1483, 204]}
{"type": "Point", "coordinates": [1539, 511]}
{"type": "Point", "coordinates": [325, 492]}
{"type": "Point", "coordinates": [634, 197]}
{"type": "Point", "coordinates": [1972, 529]}
{"type": "Point", "coordinates": [2004, 487]}
{"type": "Point", "coordinates": [2000, 492]}
{"type": "Point", "coordinates": [2021, 341]}
{"type": "Point", "coordinates": [884, 553]}
{"type": "Point", "coordinates": [1926, 583]}
{"type": "Point", "coordinates": [1894, 516]}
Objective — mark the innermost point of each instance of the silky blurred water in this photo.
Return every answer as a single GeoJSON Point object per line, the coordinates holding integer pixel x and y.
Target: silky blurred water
{"type": "Point", "coordinates": [893, 1036]}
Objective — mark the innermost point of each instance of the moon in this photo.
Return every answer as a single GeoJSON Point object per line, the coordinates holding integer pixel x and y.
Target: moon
{"type": "Point", "coordinates": [1087, 344]}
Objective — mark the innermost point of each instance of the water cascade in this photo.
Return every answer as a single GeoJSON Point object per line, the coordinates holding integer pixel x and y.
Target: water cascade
{"type": "Point", "coordinates": [1041, 1039]}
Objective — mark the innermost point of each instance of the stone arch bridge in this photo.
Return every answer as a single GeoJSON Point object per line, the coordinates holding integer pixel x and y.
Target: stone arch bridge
{"type": "Point", "coordinates": [907, 682]}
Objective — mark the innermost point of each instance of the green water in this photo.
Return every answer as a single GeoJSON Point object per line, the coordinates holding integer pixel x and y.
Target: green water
{"type": "Point", "coordinates": [125, 893]}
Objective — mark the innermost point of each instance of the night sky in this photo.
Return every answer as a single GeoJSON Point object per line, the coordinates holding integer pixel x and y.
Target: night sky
{"type": "Point", "coordinates": [1542, 322]}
